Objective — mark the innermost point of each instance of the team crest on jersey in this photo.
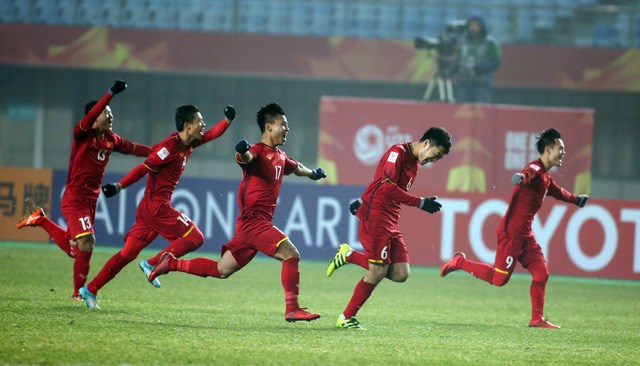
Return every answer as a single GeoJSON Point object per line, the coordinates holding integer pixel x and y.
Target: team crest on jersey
{"type": "Point", "coordinates": [393, 156]}
{"type": "Point", "coordinates": [109, 145]}
{"type": "Point", "coordinates": [163, 153]}
{"type": "Point", "coordinates": [181, 154]}
{"type": "Point", "coordinates": [545, 179]}
{"type": "Point", "coordinates": [269, 156]}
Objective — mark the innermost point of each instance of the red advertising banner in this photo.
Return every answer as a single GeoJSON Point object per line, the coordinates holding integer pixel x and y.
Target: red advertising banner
{"type": "Point", "coordinates": [340, 58]}
{"type": "Point", "coordinates": [600, 240]}
{"type": "Point", "coordinates": [490, 142]}
{"type": "Point", "coordinates": [20, 189]}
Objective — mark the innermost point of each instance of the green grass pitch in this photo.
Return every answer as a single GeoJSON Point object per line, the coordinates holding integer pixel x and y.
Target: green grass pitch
{"type": "Point", "coordinates": [239, 321]}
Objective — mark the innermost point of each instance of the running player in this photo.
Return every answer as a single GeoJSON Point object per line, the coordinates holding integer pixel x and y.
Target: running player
{"type": "Point", "coordinates": [263, 166]}
{"type": "Point", "coordinates": [516, 242]}
{"type": "Point", "coordinates": [155, 215]}
{"type": "Point", "coordinates": [378, 209]}
{"type": "Point", "coordinates": [93, 142]}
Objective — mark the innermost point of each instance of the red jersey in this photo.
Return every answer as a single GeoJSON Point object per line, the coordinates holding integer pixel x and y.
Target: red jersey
{"type": "Point", "coordinates": [166, 163]}
{"type": "Point", "coordinates": [394, 175]}
{"type": "Point", "coordinates": [261, 181]}
{"type": "Point", "coordinates": [526, 200]}
{"type": "Point", "coordinates": [90, 154]}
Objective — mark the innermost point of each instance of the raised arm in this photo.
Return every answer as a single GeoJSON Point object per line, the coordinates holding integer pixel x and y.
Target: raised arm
{"type": "Point", "coordinates": [219, 128]}
{"type": "Point", "coordinates": [87, 122]}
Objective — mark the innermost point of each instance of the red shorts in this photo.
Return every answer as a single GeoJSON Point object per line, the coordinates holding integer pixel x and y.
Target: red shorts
{"type": "Point", "coordinates": [382, 242]}
{"type": "Point", "coordinates": [159, 217]}
{"type": "Point", "coordinates": [253, 236]}
{"type": "Point", "coordinates": [80, 214]}
{"type": "Point", "coordinates": [524, 250]}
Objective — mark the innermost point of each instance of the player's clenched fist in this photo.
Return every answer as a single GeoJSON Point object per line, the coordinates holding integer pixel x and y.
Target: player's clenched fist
{"type": "Point", "coordinates": [118, 87]}
{"type": "Point", "coordinates": [354, 206]}
{"type": "Point", "coordinates": [242, 146]}
{"type": "Point", "coordinates": [230, 112]}
{"type": "Point", "coordinates": [318, 174]}
{"type": "Point", "coordinates": [517, 178]}
{"type": "Point", "coordinates": [582, 200]}
{"type": "Point", "coordinates": [111, 189]}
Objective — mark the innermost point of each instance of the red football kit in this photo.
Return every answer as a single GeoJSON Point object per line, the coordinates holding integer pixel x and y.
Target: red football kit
{"type": "Point", "coordinates": [89, 157]}
{"type": "Point", "coordinates": [165, 165]}
{"type": "Point", "coordinates": [516, 242]}
{"type": "Point", "coordinates": [515, 237]}
{"type": "Point", "coordinates": [90, 154]}
{"type": "Point", "coordinates": [378, 228]}
{"type": "Point", "coordinates": [155, 215]}
{"type": "Point", "coordinates": [257, 196]}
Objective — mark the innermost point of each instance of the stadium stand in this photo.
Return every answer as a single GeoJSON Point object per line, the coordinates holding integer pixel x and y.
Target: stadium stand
{"type": "Point", "coordinates": [579, 22]}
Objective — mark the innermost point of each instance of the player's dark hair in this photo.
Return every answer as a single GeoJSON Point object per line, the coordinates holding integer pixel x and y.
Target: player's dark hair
{"type": "Point", "coordinates": [547, 138]}
{"type": "Point", "coordinates": [88, 106]}
{"type": "Point", "coordinates": [267, 113]}
{"type": "Point", "coordinates": [185, 113]}
{"type": "Point", "coordinates": [439, 136]}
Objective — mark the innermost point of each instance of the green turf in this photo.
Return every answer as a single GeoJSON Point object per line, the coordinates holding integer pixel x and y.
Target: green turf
{"type": "Point", "coordinates": [192, 320]}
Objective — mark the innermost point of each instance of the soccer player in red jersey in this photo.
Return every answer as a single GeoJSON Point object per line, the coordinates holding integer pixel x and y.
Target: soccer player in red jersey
{"type": "Point", "coordinates": [155, 215]}
{"type": "Point", "coordinates": [378, 209]}
{"type": "Point", "coordinates": [263, 166]}
{"type": "Point", "coordinates": [516, 242]}
{"type": "Point", "coordinates": [93, 143]}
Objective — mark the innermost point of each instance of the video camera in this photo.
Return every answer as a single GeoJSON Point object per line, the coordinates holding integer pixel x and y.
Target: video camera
{"type": "Point", "coordinates": [447, 41]}
{"type": "Point", "coordinates": [446, 44]}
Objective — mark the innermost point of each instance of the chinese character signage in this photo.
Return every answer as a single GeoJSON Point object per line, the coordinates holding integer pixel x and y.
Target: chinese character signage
{"type": "Point", "coordinates": [21, 190]}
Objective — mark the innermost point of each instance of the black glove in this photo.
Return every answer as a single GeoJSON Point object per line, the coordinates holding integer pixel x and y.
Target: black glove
{"type": "Point", "coordinates": [118, 87]}
{"type": "Point", "coordinates": [242, 146]}
{"type": "Point", "coordinates": [429, 204]}
{"type": "Point", "coordinates": [354, 206]}
{"type": "Point", "coordinates": [318, 174]}
{"type": "Point", "coordinates": [230, 112]}
{"type": "Point", "coordinates": [582, 200]}
{"type": "Point", "coordinates": [111, 189]}
{"type": "Point", "coordinates": [517, 178]}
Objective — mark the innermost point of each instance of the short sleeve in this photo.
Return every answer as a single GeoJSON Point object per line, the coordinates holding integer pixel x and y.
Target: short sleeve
{"type": "Point", "coordinates": [290, 165]}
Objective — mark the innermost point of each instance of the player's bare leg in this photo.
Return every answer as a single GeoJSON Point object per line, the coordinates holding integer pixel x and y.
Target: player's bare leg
{"type": "Point", "coordinates": [290, 277]}
{"type": "Point", "coordinates": [398, 272]}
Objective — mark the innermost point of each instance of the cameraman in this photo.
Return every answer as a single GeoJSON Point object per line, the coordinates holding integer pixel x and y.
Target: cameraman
{"type": "Point", "coordinates": [478, 57]}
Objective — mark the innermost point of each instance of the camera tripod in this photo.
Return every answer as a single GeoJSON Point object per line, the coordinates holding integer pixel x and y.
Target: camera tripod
{"type": "Point", "coordinates": [445, 88]}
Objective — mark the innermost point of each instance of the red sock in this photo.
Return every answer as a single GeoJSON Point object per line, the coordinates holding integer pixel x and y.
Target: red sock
{"type": "Point", "coordinates": [479, 270]}
{"type": "Point", "coordinates": [80, 270]}
{"type": "Point", "coordinates": [360, 295]}
{"type": "Point", "coordinates": [290, 278]}
{"type": "Point", "coordinates": [203, 267]}
{"type": "Point", "coordinates": [182, 246]}
{"type": "Point", "coordinates": [540, 275]}
{"type": "Point", "coordinates": [115, 264]}
{"type": "Point", "coordinates": [358, 258]}
{"type": "Point", "coordinates": [58, 234]}
{"type": "Point", "coordinates": [108, 272]}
